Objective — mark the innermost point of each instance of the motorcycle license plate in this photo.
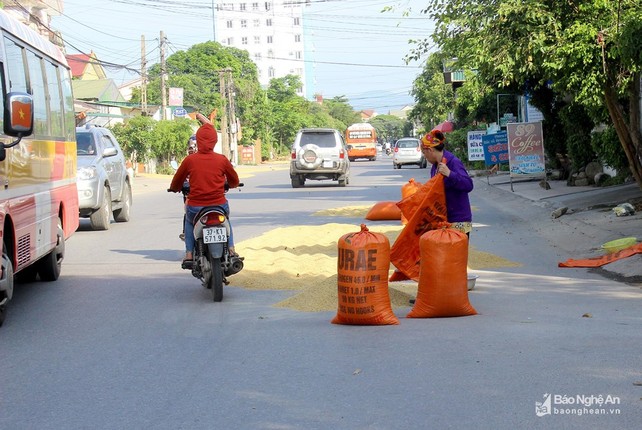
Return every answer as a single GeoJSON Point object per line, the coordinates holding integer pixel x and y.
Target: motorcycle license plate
{"type": "Point", "coordinates": [214, 235]}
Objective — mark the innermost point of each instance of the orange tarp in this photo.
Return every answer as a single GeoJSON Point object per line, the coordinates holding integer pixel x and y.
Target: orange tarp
{"type": "Point", "coordinates": [604, 259]}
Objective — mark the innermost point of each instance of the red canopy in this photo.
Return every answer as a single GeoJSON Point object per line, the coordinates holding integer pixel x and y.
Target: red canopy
{"type": "Point", "coordinates": [445, 127]}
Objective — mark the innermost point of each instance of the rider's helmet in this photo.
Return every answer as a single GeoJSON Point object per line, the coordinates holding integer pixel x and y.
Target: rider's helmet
{"type": "Point", "coordinates": [191, 144]}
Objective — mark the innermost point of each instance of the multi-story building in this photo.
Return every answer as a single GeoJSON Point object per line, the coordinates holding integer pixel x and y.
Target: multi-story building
{"type": "Point", "coordinates": [272, 32]}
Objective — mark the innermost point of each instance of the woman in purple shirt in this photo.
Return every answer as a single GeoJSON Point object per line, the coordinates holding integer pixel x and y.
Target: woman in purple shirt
{"type": "Point", "coordinates": [456, 180]}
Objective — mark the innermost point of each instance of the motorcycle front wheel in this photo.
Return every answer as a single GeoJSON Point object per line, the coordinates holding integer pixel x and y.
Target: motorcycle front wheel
{"type": "Point", "coordinates": [216, 280]}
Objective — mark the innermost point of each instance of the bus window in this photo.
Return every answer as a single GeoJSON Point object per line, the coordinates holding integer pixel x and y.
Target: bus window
{"type": "Point", "coordinates": [55, 101]}
{"type": "Point", "coordinates": [68, 103]}
{"type": "Point", "coordinates": [15, 67]}
{"type": "Point", "coordinates": [38, 91]}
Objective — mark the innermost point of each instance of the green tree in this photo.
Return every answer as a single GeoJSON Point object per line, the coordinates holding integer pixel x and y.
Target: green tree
{"type": "Point", "coordinates": [389, 127]}
{"type": "Point", "coordinates": [169, 139]}
{"type": "Point", "coordinates": [587, 51]}
{"type": "Point", "coordinates": [339, 108]}
{"type": "Point", "coordinates": [197, 71]}
{"type": "Point", "coordinates": [135, 137]}
{"type": "Point", "coordinates": [434, 99]}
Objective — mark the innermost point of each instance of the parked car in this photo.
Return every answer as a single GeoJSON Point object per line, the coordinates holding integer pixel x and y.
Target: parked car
{"type": "Point", "coordinates": [319, 154]}
{"type": "Point", "coordinates": [104, 184]}
{"type": "Point", "coordinates": [407, 150]}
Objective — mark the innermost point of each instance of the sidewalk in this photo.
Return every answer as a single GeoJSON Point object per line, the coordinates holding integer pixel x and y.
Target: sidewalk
{"type": "Point", "coordinates": [589, 220]}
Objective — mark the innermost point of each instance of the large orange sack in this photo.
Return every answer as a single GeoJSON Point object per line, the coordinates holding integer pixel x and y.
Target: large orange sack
{"type": "Point", "coordinates": [362, 280]}
{"type": "Point", "coordinates": [443, 286]}
{"type": "Point", "coordinates": [407, 190]}
{"type": "Point", "coordinates": [382, 211]}
{"type": "Point", "coordinates": [425, 210]}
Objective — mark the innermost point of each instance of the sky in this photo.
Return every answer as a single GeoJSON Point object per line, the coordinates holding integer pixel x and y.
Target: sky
{"type": "Point", "coordinates": [358, 49]}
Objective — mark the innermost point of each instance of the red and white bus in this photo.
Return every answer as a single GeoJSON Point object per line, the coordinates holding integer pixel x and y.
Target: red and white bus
{"type": "Point", "coordinates": [361, 140]}
{"type": "Point", "coordinates": [39, 199]}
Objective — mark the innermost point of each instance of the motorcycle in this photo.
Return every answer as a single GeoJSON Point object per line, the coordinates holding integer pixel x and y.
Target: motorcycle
{"type": "Point", "coordinates": [212, 263]}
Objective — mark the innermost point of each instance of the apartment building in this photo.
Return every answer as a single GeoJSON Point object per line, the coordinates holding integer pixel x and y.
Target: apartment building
{"type": "Point", "coordinates": [272, 32]}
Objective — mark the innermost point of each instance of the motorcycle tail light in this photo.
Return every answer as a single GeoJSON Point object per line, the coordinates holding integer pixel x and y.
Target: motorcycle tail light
{"type": "Point", "coordinates": [212, 219]}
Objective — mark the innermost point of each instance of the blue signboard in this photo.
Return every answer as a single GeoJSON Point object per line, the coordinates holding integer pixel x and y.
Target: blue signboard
{"type": "Point", "coordinates": [180, 112]}
{"type": "Point", "coordinates": [495, 148]}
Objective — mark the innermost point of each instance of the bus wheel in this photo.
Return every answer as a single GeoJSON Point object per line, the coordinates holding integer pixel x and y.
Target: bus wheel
{"type": "Point", "coordinates": [49, 266]}
{"type": "Point", "coordinates": [5, 295]}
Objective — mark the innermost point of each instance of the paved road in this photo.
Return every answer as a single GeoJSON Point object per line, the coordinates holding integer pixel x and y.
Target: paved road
{"type": "Point", "coordinates": [125, 340]}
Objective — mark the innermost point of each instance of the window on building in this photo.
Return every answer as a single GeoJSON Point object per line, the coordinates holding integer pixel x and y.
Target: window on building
{"type": "Point", "coordinates": [297, 21]}
{"type": "Point", "coordinates": [257, 23]}
{"type": "Point", "coordinates": [242, 6]}
{"type": "Point", "coordinates": [257, 56]}
{"type": "Point", "coordinates": [255, 6]}
{"type": "Point", "coordinates": [257, 40]}
{"type": "Point", "coordinates": [268, 5]}
{"type": "Point", "coordinates": [230, 41]}
{"type": "Point", "coordinates": [298, 55]}
{"type": "Point", "coordinates": [243, 40]}
{"type": "Point", "coordinates": [270, 39]}
{"type": "Point", "coordinates": [243, 23]}
{"type": "Point", "coordinates": [297, 37]}
{"type": "Point", "coordinates": [230, 23]}
{"type": "Point", "coordinates": [270, 54]}
{"type": "Point", "coordinates": [268, 22]}
{"type": "Point", "coordinates": [271, 72]}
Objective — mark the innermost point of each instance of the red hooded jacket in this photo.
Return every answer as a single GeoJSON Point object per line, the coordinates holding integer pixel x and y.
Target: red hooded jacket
{"type": "Point", "coordinates": [207, 171]}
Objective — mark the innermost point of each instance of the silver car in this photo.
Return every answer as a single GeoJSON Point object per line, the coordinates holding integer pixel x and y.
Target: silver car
{"type": "Point", "coordinates": [407, 150]}
{"type": "Point", "coordinates": [104, 185]}
{"type": "Point", "coordinates": [319, 154]}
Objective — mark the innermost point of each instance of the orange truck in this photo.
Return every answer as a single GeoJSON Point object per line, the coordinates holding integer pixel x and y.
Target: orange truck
{"type": "Point", "coordinates": [361, 140]}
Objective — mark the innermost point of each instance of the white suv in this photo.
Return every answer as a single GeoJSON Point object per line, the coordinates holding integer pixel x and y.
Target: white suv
{"type": "Point", "coordinates": [104, 185]}
{"type": "Point", "coordinates": [318, 154]}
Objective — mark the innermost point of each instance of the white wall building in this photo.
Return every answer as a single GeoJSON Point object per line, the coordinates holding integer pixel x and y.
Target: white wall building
{"type": "Point", "coordinates": [270, 30]}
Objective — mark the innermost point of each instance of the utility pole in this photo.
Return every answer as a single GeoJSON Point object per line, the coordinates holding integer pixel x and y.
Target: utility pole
{"type": "Point", "coordinates": [163, 77]}
{"type": "Point", "coordinates": [225, 141]}
{"type": "Point", "coordinates": [143, 75]}
{"type": "Point", "coordinates": [213, 21]}
{"type": "Point", "coordinates": [228, 119]}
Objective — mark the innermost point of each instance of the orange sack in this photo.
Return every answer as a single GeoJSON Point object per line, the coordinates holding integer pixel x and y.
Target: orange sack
{"type": "Point", "coordinates": [425, 210]}
{"type": "Point", "coordinates": [407, 190]}
{"type": "Point", "coordinates": [362, 281]}
{"type": "Point", "coordinates": [384, 211]}
{"type": "Point", "coordinates": [443, 286]}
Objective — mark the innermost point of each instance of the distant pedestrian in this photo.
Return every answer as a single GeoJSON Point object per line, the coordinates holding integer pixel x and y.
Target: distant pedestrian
{"type": "Point", "coordinates": [457, 181]}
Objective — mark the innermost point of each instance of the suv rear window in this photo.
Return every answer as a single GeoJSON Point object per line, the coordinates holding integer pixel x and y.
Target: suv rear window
{"type": "Point", "coordinates": [407, 143]}
{"type": "Point", "coordinates": [322, 140]}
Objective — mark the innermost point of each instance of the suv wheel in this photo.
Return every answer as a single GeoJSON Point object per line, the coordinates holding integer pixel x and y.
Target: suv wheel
{"type": "Point", "coordinates": [297, 182]}
{"type": "Point", "coordinates": [100, 219]}
{"type": "Point", "coordinates": [343, 181]}
{"type": "Point", "coordinates": [122, 214]}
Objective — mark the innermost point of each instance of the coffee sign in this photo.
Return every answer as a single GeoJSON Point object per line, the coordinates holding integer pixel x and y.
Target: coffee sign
{"type": "Point", "coordinates": [526, 148]}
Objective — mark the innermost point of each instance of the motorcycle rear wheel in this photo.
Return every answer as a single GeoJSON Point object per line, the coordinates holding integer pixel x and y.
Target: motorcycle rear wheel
{"type": "Point", "coordinates": [216, 279]}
